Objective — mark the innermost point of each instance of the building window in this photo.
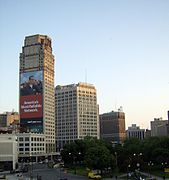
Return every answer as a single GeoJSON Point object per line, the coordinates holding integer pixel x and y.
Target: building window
{"type": "Point", "coordinates": [21, 139]}
{"type": "Point", "coordinates": [26, 138]}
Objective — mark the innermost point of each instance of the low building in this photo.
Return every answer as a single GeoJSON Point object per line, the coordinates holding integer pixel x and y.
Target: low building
{"type": "Point", "coordinates": [8, 151]}
{"type": "Point", "coordinates": [159, 127]}
{"type": "Point", "coordinates": [112, 127]}
{"type": "Point", "coordinates": [31, 146]}
{"type": "Point", "coordinates": [135, 132]}
{"type": "Point", "coordinates": [148, 133]}
{"type": "Point", "coordinates": [9, 118]}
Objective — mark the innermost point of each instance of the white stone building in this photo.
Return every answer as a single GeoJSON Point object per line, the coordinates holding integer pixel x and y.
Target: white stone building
{"type": "Point", "coordinates": [135, 132]}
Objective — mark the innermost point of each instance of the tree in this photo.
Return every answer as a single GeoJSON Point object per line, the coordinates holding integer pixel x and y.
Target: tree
{"type": "Point", "coordinates": [98, 157]}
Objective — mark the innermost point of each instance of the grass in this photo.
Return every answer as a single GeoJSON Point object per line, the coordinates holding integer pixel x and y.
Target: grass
{"type": "Point", "coordinates": [78, 170]}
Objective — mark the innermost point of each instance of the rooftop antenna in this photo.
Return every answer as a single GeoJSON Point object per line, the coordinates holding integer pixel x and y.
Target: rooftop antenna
{"type": "Point", "coordinates": [85, 75]}
{"type": "Point", "coordinates": [115, 104]}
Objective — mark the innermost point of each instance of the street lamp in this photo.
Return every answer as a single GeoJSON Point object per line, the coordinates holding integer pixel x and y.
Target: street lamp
{"type": "Point", "coordinates": [31, 167]}
{"type": "Point", "coordinates": [137, 160]}
{"type": "Point", "coordinates": [149, 167]}
{"type": "Point", "coordinates": [128, 171]}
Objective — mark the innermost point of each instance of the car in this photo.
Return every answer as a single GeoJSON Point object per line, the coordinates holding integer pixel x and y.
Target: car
{"type": "Point", "coordinates": [92, 175]}
{"type": "Point", "coordinates": [63, 179]}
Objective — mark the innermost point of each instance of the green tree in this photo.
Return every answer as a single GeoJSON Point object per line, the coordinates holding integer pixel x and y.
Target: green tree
{"type": "Point", "coordinates": [98, 157]}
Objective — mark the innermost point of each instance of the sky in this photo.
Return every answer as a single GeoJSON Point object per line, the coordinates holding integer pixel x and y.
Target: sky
{"type": "Point", "coordinates": [119, 46]}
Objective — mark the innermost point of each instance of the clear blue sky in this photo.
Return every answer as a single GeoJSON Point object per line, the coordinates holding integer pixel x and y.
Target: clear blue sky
{"type": "Point", "coordinates": [122, 44]}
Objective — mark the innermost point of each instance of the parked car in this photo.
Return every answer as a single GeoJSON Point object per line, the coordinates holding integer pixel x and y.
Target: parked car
{"type": "Point", "coordinates": [92, 175]}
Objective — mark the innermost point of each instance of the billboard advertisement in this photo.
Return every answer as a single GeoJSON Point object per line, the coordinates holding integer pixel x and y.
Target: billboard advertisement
{"type": "Point", "coordinates": [31, 100]}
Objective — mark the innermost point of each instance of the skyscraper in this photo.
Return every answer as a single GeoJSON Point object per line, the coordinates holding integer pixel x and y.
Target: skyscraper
{"type": "Point", "coordinates": [37, 105]}
{"type": "Point", "coordinates": [76, 113]}
{"type": "Point", "coordinates": [112, 127]}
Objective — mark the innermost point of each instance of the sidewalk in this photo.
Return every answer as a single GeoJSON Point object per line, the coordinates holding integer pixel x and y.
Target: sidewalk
{"type": "Point", "coordinates": [142, 173]}
{"type": "Point", "coordinates": [14, 177]}
{"type": "Point", "coordinates": [147, 174]}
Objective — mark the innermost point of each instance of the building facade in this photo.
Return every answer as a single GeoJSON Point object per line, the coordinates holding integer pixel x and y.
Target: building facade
{"type": "Point", "coordinates": [76, 113]}
{"type": "Point", "coordinates": [9, 118]}
{"type": "Point", "coordinates": [135, 132]}
{"type": "Point", "coordinates": [31, 145]}
{"type": "Point", "coordinates": [112, 127]}
{"type": "Point", "coordinates": [159, 127]}
{"type": "Point", "coordinates": [8, 151]}
{"type": "Point", "coordinates": [37, 106]}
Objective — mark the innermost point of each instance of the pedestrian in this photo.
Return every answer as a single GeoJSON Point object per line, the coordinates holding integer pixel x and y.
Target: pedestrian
{"type": "Point", "coordinates": [163, 177]}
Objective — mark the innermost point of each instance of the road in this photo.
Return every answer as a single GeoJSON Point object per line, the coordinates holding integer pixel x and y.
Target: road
{"type": "Point", "coordinates": [55, 174]}
{"type": "Point", "coordinates": [52, 174]}
{"type": "Point", "coordinates": [48, 174]}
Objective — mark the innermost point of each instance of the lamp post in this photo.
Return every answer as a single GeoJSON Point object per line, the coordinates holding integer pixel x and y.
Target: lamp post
{"type": "Point", "coordinates": [128, 171]}
{"type": "Point", "coordinates": [31, 167]}
{"type": "Point", "coordinates": [137, 160]}
{"type": "Point", "coordinates": [116, 160]}
{"type": "Point", "coordinates": [150, 164]}
{"type": "Point", "coordinates": [164, 165]}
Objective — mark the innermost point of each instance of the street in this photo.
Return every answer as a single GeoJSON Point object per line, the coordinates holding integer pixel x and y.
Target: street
{"type": "Point", "coordinates": [51, 174]}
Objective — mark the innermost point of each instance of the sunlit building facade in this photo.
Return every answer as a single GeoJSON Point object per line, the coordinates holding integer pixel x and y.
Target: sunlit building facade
{"type": "Point", "coordinates": [112, 127]}
{"type": "Point", "coordinates": [37, 106]}
{"type": "Point", "coordinates": [76, 113]}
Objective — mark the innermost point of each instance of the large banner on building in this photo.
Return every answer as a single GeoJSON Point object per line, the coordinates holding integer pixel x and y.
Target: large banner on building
{"type": "Point", "coordinates": [31, 99]}
{"type": "Point", "coordinates": [31, 106]}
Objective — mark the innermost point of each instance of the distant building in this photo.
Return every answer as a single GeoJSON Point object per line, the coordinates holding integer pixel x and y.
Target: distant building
{"type": "Point", "coordinates": [135, 132]}
{"type": "Point", "coordinates": [76, 113]}
{"type": "Point", "coordinates": [159, 127]}
{"type": "Point", "coordinates": [8, 151]}
{"type": "Point", "coordinates": [112, 127]}
{"type": "Point", "coordinates": [148, 133]}
{"type": "Point", "coordinates": [9, 118]}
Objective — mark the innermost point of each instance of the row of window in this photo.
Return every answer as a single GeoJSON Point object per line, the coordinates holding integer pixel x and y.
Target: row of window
{"type": "Point", "coordinates": [32, 149]}
{"type": "Point", "coordinates": [32, 144]}
{"type": "Point", "coordinates": [32, 139]}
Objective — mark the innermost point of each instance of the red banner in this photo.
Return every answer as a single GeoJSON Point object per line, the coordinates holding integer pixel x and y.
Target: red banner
{"type": "Point", "coordinates": [31, 106]}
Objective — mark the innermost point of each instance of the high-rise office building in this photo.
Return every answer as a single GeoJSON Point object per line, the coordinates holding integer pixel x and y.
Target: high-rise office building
{"type": "Point", "coordinates": [37, 105]}
{"type": "Point", "coordinates": [112, 127]}
{"type": "Point", "coordinates": [76, 113]}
